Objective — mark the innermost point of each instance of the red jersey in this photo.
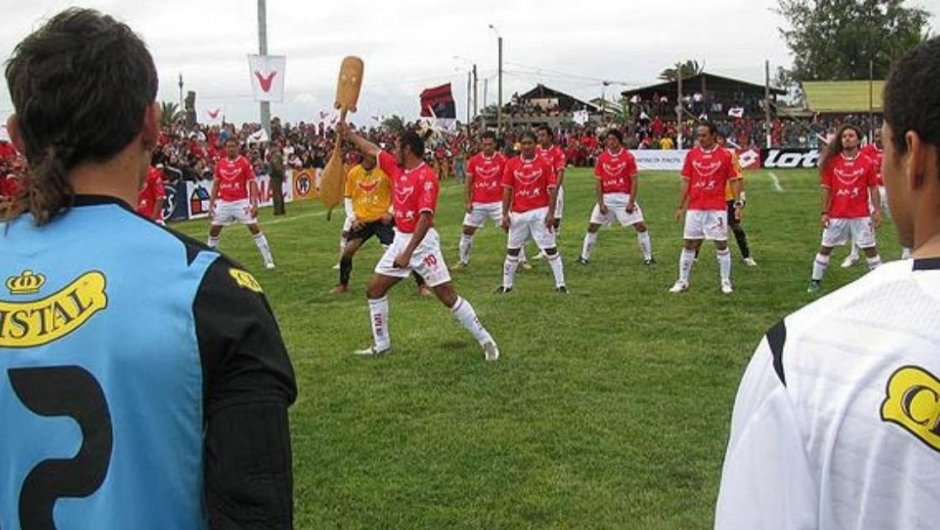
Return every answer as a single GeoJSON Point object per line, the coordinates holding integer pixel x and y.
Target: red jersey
{"type": "Point", "coordinates": [413, 191]}
{"type": "Point", "coordinates": [877, 156]}
{"type": "Point", "coordinates": [150, 194]}
{"type": "Point", "coordinates": [708, 173]}
{"type": "Point", "coordinates": [487, 176]}
{"type": "Point", "coordinates": [529, 181]}
{"type": "Point", "coordinates": [7, 151]}
{"type": "Point", "coordinates": [616, 171]}
{"type": "Point", "coordinates": [848, 180]}
{"type": "Point", "coordinates": [9, 186]}
{"type": "Point", "coordinates": [555, 158]}
{"type": "Point", "coordinates": [233, 177]}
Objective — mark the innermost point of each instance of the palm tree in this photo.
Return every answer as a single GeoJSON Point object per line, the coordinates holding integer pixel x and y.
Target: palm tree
{"type": "Point", "coordinates": [170, 113]}
{"type": "Point", "coordinates": [689, 68]}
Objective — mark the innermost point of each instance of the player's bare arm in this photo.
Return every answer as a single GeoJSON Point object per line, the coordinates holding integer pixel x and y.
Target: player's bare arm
{"type": "Point", "coordinates": [253, 197]}
{"type": "Point", "coordinates": [634, 187]}
{"type": "Point", "coordinates": [365, 146]}
{"type": "Point", "coordinates": [213, 195]}
{"type": "Point", "coordinates": [599, 192]}
{"type": "Point", "coordinates": [875, 196]}
{"type": "Point", "coordinates": [738, 203]}
{"type": "Point", "coordinates": [683, 198]}
{"type": "Point", "coordinates": [425, 220]}
{"type": "Point", "coordinates": [468, 191]}
{"type": "Point", "coordinates": [825, 195]}
{"type": "Point", "coordinates": [552, 201]}
{"type": "Point", "coordinates": [507, 204]}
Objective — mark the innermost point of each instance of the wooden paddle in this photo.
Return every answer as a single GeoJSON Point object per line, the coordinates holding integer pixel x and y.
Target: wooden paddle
{"type": "Point", "coordinates": [348, 87]}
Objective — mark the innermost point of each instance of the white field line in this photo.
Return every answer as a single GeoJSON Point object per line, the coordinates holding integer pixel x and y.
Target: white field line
{"type": "Point", "coordinates": [775, 181]}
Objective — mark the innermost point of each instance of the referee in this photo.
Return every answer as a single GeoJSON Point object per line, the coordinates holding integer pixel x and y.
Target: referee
{"type": "Point", "coordinates": [143, 381]}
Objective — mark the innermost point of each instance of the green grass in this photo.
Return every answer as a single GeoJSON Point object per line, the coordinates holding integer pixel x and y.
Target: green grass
{"type": "Point", "coordinates": [609, 408]}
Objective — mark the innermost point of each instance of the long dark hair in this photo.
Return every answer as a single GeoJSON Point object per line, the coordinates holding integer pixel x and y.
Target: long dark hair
{"type": "Point", "coordinates": [835, 147]}
{"type": "Point", "coordinates": [80, 86]}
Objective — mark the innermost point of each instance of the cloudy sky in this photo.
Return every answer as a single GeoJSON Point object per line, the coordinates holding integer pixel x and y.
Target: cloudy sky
{"type": "Point", "coordinates": [413, 44]}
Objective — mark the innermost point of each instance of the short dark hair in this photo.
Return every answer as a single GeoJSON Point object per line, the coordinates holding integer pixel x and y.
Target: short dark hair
{"type": "Point", "coordinates": [616, 133]}
{"type": "Point", "coordinates": [81, 85]}
{"type": "Point", "coordinates": [413, 142]}
{"type": "Point", "coordinates": [545, 128]}
{"type": "Point", "coordinates": [488, 135]}
{"type": "Point", "coordinates": [527, 134]}
{"type": "Point", "coordinates": [708, 125]}
{"type": "Point", "coordinates": [912, 97]}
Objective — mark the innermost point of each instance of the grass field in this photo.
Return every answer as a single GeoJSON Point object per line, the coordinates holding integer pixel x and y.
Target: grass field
{"type": "Point", "coordinates": [609, 407]}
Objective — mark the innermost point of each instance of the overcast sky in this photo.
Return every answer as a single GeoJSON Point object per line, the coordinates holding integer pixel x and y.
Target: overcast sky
{"type": "Point", "coordinates": [411, 44]}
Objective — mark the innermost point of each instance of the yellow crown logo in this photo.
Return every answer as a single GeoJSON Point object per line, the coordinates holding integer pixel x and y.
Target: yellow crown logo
{"type": "Point", "coordinates": [26, 283]}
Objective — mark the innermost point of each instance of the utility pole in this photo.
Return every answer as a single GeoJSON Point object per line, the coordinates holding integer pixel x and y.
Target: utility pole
{"type": "Point", "coordinates": [679, 107]}
{"type": "Point", "coordinates": [469, 87]}
{"type": "Point", "coordinates": [486, 84]}
{"type": "Point", "coordinates": [475, 108]}
{"type": "Point", "coordinates": [767, 103]}
{"type": "Point", "coordinates": [263, 50]}
{"type": "Point", "coordinates": [181, 91]}
{"type": "Point", "coordinates": [499, 110]}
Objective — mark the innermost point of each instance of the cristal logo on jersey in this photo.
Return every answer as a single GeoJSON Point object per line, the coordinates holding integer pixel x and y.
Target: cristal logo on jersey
{"type": "Point", "coordinates": [614, 169]}
{"type": "Point", "coordinates": [40, 322]}
{"type": "Point", "coordinates": [368, 187]}
{"type": "Point", "coordinates": [848, 176]}
{"type": "Point", "coordinates": [245, 280]}
{"type": "Point", "coordinates": [527, 174]}
{"type": "Point", "coordinates": [26, 283]}
{"type": "Point", "coordinates": [913, 402]}
{"type": "Point", "coordinates": [488, 172]}
{"type": "Point", "coordinates": [403, 192]}
{"type": "Point", "coordinates": [706, 169]}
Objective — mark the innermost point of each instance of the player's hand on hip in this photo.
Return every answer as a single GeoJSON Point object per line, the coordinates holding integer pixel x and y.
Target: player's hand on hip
{"type": "Point", "coordinates": [402, 261]}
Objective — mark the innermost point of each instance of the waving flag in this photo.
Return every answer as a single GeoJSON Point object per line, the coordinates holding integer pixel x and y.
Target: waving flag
{"type": "Point", "coordinates": [438, 102]}
{"type": "Point", "coordinates": [736, 112]}
{"type": "Point", "coordinates": [213, 116]}
{"type": "Point", "coordinates": [267, 76]}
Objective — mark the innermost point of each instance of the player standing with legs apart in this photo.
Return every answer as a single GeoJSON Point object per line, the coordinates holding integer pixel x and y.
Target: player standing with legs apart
{"type": "Point", "coordinates": [555, 157]}
{"type": "Point", "coordinates": [848, 184]}
{"type": "Point", "coordinates": [484, 193]}
{"type": "Point", "coordinates": [368, 199]}
{"type": "Point", "coordinates": [157, 395]}
{"type": "Point", "coordinates": [416, 246]}
{"type": "Point", "coordinates": [529, 191]}
{"type": "Point", "coordinates": [706, 172]}
{"type": "Point", "coordinates": [617, 185]}
{"type": "Point", "coordinates": [234, 198]}
{"type": "Point", "coordinates": [834, 424]}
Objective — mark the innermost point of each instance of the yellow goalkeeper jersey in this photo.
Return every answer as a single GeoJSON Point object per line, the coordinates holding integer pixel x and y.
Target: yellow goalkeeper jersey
{"type": "Point", "coordinates": [736, 162]}
{"type": "Point", "coordinates": [370, 193]}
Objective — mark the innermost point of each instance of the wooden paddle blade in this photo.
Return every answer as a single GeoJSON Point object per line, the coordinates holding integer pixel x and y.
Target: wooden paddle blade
{"type": "Point", "coordinates": [349, 84]}
{"type": "Point", "coordinates": [331, 181]}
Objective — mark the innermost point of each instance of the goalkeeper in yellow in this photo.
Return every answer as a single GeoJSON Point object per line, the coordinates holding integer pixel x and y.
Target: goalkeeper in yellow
{"type": "Point", "coordinates": [368, 200]}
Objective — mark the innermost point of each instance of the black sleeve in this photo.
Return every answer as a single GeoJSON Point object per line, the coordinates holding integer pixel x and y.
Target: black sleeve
{"type": "Point", "coordinates": [248, 386]}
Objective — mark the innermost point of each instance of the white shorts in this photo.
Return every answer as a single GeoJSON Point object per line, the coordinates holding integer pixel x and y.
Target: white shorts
{"type": "Point", "coordinates": [838, 231]}
{"type": "Point", "coordinates": [427, 259]}
{"type": "Point", "coordinates": [524, 225]}
{"type": "Point", "coordinates": [560, 203]}
{"type": "Point", "coordinates": [483, 211]}
{"type": "Point", "coordinates": [616, 204]}
{"type": "Point", "coordinates": [706, 224]}
{"type": "Point", "coordinates": [228, 213]}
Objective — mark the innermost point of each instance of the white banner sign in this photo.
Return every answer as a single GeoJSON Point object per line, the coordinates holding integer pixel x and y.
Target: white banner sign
{"type": "Point", "coordinates": [267, 76]}
{"type": "Point", "coordinates": [658, 160]}
{"type": "Point", "coordinates": [198, 194]}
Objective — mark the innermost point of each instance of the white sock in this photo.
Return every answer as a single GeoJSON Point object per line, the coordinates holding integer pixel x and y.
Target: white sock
{"type": "Point", "coordinates": [645, 246]}
{"type": "Point", "coordinates": [905, 253]}
{"type": "Point", "coordinates": [819, 267]}
{"type": "Point", "coordinates": [522, 258]}
{"type": "Point", "coordinates": [854, 253]}
{"type": "Point", "coordinates": [724, 264]}
{"type": "Point", "coordinates": [466, 244]}
{"type": "Point", "coordinates": [685, 264]}
{"type": "Point", "coordinates": [213, 242]}
{"type": "Point", "coordinates": [558, 269]}
{"type": "Point", "coordinates": [468, 317]}
{"type": "Point", "coordinates": [378, 309]}
{"type": "Point", "coordinates": [509, 271]}
{"type": "Point", "coordinates": [587, 248]}
{"type": "Point", "coordinates": [262, 243]}
{"type": "Point", "coordinates": [873, 263]}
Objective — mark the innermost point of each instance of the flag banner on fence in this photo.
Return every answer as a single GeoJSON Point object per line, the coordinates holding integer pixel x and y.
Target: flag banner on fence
{"type": "Point", "coordinates": [736, 112]}
{"type": "Point", "coordinates": [580, 117]}
{"type": "Point", "coordinates": [267, 76]}
{"type": "Point", "coordinates": [438, 102]}
{"type": "Point", "coordinates": [213, 116]}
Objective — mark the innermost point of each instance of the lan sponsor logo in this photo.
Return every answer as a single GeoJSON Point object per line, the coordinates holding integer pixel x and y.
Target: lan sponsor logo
{"type": "Point", "coordinates": [913, 402]}
{"type": "Point", "coordinates": [40, 322]}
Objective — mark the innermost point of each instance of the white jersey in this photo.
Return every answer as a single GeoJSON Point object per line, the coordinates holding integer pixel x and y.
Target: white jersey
{"type": "Point", "coordinates": [836, 424]}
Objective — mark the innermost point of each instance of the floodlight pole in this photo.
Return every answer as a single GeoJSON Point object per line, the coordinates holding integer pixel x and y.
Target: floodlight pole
{"type": "Point", "coordinates": [767, 103]}
{"type": "Point", "coordinates": [263, 50]}
{"type": "Point", "coordinates": [679, 106]}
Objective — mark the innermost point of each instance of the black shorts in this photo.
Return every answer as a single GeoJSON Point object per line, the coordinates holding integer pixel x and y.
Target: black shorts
{"type": "Point", "coordinates": [384, 232]}
{"type": "Point", "coordinates": [731, 220]}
